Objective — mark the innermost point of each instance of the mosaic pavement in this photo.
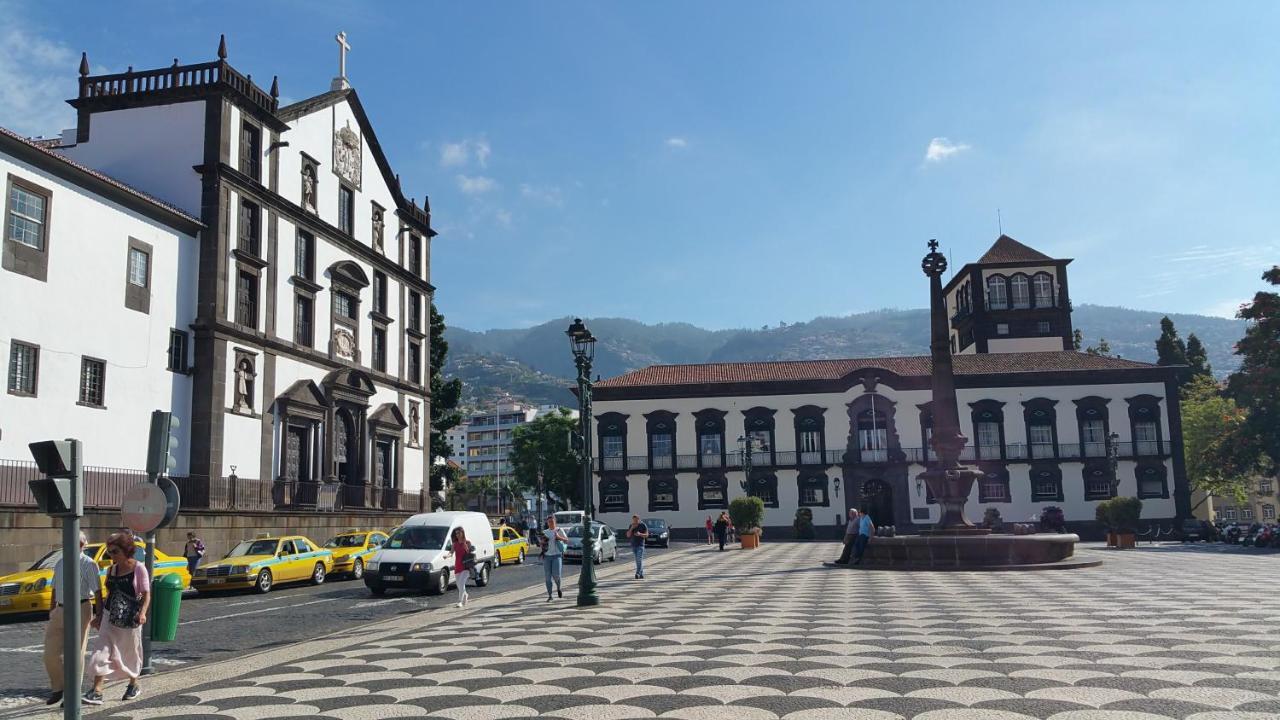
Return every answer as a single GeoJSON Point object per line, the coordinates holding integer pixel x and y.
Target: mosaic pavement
{"type": "Point", "coordinates": [770, 634]}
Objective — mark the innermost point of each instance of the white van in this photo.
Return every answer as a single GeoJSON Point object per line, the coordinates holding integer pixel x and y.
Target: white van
{"type": "Point", "coordinates": [418, 555]}
{"type": "Point", "coordinates": [565, 518]}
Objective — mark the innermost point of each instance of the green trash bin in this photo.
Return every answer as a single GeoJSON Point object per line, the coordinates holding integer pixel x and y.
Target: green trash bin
{"type": "Point", "coordinates": [166, 597]}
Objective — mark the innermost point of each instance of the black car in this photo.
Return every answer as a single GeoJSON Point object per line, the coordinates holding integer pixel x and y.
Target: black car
{"type": "Point", "coordinates": [659, 532]}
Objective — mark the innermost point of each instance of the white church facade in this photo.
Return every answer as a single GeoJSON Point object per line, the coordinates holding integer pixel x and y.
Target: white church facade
{"type": "Point", "coordinates": [1047, 425]}
{"type": "Point", "coordinates": [283, 312]}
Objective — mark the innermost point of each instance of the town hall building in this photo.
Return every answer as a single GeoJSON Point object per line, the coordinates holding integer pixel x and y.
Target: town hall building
{"type": "Point", "coordinates": [192, 245]}
{"type": "Point", "coordinates": [1048, 426]}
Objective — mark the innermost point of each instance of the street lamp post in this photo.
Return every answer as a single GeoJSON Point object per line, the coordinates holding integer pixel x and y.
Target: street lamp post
{"type": "Point", "coordinates": [584, 350]}
{"type": "Point", "coordinates": [744, 447]}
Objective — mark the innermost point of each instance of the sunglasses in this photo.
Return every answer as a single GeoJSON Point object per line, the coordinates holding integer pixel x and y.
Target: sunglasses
{"type": "Point", "coordinates": [117, 551]}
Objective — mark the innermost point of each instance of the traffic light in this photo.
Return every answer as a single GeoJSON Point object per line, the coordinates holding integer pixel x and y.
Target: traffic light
{"type": "Point", "coordinates": [61, 490]}
{"type": "Point", "coordinates": [162, 443]}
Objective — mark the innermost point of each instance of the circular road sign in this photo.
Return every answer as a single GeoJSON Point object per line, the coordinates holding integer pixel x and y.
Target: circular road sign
{"type": "Point", "coordinates": [144, 507]}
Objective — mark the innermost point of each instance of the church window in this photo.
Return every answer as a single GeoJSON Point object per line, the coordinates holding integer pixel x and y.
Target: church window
{"type": "Point", "coordinates": [251, 151]}
{"type": "Point", "coordinates": [415, 254]}
{"type": "Point", "coordinates": [414, 362]}
{"type": "Point", "coordinates": [93, 382]}
{"type": "Point", "coordinates": [379, 292]}
{"type": "Point", "coordinates": [303, 320]}
{"type": "Point", "coordinates": [997, 293]}
{"type": "Point", "coordinates": [415, 311]}
{"type": "Point", "coordinates": [139, 267]}
{"type": "Point", "coordinates": [304, 255]}
{"type": "Point", "coordinates": [24, 362]}
{"type": "Point", "coordinates": [346, 210]}
{"type": "Point", "coordinates": [344, 305]}
{"type": "Point", "coordinates": [177, 357]}
{"type": "Point", "coordinates": [247, 298]}
{"type": "Point", "coordinates": [1021, 290]}
{"type": "Point", "coordinates": [380, 349]}
{"type": "Point", "coordinates": [1042, 285]}
{"type": "Point", "coordinates": [249, 239]}
{"type": "Point", "coordinates": [27, 216]}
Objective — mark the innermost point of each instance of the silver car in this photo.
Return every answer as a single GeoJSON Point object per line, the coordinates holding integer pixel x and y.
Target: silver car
{"type": "Point", "coordinates": [606, 543]}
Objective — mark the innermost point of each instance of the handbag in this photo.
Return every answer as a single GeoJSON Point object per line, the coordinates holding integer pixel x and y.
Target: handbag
{"type": "Point", "coordinates": [469, 559]}
{"type": "Point", "coordinates": [122, 609]}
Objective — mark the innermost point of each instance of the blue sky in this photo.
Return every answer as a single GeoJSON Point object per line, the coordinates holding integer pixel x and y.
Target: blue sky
{"type": "Point", "coordinates": [735, 164]}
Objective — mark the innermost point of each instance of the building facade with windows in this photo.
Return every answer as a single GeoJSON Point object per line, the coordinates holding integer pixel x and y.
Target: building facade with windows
{"type": "Point", "coordinates": [1047, 426]}
{"type": "Point", "coordinates": [304, 302]}
{"type": "Point", "coordinates": [485, 452]}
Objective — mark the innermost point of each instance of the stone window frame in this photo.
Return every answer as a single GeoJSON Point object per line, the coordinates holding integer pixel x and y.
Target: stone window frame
{"type": "Point", "coordinates": [349, 206]}
{"type": "Point", "coordinates": [413, 312]}
{"type": "Point", "coordinates": [1050, 471]}
{"type": "Point", "coordinates": [805, 481]}
{"type": "Point", "coordinates": [85, 361]}
{"type": "Point", "coordinates": [1151, 471]}
{"type": "Point", "coordinates": [1145, 408]}
{"type": "Point", "coordinates": [763, 480]}
{"type": "Point", "coordinates": [299, 298]}
{"type": "Point", "coordinates": [710, 423]}
{"type": "Point", "coordinates": [1097, 468]}
{"type": "Point", "coordinates": [761, 419]}
{"type": "Point", "coordinates": [994, 473]}
{"type": "Point", "coordinates": [174, 363]}
{"type": "Point", "coordinates": [255, 287]}
{"type": "Point", "coordinates": [304, 256]}
{"type": "Point", "coordinates": [1268, 511]}
{"type": "Point", "coordinates": [380, 288]}
{"type": "Point", "coordinates": [413, 362]}
{"type": "Point", "coordinates": [810, 418]}
{"type": "Point", "coordinates": [378, 359]}
{"type": "Point", "coordinates": [413, 254]}
{"type": "Point", "coordinates": [1092, 407]}
{"type": "Point", "coordinates": [1013, 302]}
{"type": "Point", "coordinates": [34, 375]}
{"type": "Point", "coordinates": [611, 425]}
{"type": "Point", "coordinates": [138, 297]}
{"type": "Point", "coordinates": [250, 131]}
{"type": "Point", "coordinates": [249, 227]}
{"type": "Point", "coordinates": [997, 280]}
{"type": "Point", "coordinates": [713, 480]}
{"type": "Point", "coordinates": [664, 421]}
{"type": "Point", "coordinates": [1041, 411]}
{"type": "Point", "coordinates": [987, 411]}
{"type": "Point", "coordinates": [346, 278]}
{"type": "Point", "coordinates": [615, 494]}
{"type": "Point", "coordinates": [19, 257]}
{"type": "Point", "coordinates": [658, 483]}
{"type": "Point", "coordinates": [1035, 297]}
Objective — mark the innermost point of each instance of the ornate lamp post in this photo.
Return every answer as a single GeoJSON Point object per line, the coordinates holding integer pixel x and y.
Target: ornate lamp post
{"type": "Point", "coordinates": [745, 446]}
{"type": "Point", "coordinates": [583, 345]}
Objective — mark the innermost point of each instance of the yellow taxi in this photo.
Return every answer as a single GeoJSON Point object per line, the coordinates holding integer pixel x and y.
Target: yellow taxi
{"type": "Point", "coordinates": [353, 548]}
{"type": "Point", "coordinates": [31, 591]}
{"type": "Point", "coordinates": [509, 546]}
{"type": "Point", "coordinates": [262, 562]}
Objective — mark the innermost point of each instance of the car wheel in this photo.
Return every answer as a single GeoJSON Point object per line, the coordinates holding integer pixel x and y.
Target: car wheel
{"type": "Point", "coordinates": [264, 581]}
{"type": "Point", "coordinates": [441, 585]}
{"type": "Point", "coordinates": [378, 591]}
{"type": "Point", "coordinates": [482, 575]}
{"type": "Point", "coordinates": [497, 559]}
{"type": "Point", "coordinates": [597, 558]}
{"type": "Point", "coordinates": [317, 575]}
{"type": "Point", "coordinates": [520, 557]}
{"type": "Point", "coordinates": [357, 570]}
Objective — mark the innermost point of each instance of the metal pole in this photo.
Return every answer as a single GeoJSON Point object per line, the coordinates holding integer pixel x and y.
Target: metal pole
{"type": "Point", "coordinates": [72, 658]}
{"type": "Point", "coordinates": [587, 583]}
{"type": "Point", "coordinates": [147, 669]}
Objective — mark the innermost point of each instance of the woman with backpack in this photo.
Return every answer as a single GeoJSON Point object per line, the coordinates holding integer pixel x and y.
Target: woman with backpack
{"type": "Point", "coordinates": [118, 655]}
{"type": "Point", "coordinates": [464, 563]}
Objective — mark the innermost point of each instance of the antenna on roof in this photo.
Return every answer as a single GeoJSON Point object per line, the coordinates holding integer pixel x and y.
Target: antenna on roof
{"type": "Point", "coordinates": [999, 222]}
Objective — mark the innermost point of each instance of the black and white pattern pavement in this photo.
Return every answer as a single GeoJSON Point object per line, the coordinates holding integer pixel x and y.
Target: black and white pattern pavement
{"type": "Point", "coordinates": [770, 633]}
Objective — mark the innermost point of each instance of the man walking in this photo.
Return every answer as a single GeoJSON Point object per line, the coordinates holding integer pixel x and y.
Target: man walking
{"type": "Point", "coordinates": [54, 631]}
{"type": "Point", "coordinates": [865, 528]}
{"type": "Point", "coordinates": [193, 551]}
{"type": "Point", "coordinates": [637, 533]}
{"type": "Point", "coordinates": [850, 535]}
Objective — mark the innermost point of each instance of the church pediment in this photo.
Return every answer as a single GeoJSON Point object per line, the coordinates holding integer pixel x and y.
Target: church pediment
{"type": "Point", "coordinates": [389, 416]}
{"type": "Point", "coordinates": [349, 273]}
{"type": "Point", "coordinates": [349, 380]}
{"type": "Point", "coordinates": [303, 393]}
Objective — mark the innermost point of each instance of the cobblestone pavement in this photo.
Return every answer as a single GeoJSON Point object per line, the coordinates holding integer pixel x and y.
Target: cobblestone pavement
{"type": "Point", "coordinates": [745, 635]}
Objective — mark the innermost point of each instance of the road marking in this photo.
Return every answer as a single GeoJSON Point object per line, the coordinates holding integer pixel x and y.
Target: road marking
{"type": "Point", "coordinates": [252, 612]}
{"type": "Point", "coordinates": [376, 603]}
{"type": "Point", "coordinates": [26, 649]}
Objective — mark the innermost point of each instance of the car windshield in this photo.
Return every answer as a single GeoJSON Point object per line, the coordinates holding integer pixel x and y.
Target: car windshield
{"type": "Point", "coordinates": [254, 547]}
{"type": "Point", "coordinates": [655, 524]}
{"type": "Point", "coordinates": [342, 541]}
{"type": "Point", "coordinates": [575, 531]}
{"type": "Point", "coordinates": [566, 518]}
{"type": "Point", "coordinates": [48, 561]}
{"type": "Point", "coordinates": [497, 533]}
{"type": "Point", "coordinates": [417, 537]}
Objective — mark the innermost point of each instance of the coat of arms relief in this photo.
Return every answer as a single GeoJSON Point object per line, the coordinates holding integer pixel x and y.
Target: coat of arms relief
{"type": "Point", "coordinates": [346, 155]}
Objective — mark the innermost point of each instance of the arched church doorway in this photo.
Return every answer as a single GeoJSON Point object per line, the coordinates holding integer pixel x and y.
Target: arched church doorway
{"type": "Point", "coordinates": [877, 501]}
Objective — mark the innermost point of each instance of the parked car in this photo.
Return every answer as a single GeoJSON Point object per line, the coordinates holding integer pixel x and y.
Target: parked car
{"type": "Point", "coordinates": [265, 561]}
{"type": "Point", "coordinates": [1193, 530]}
{"type": "Point", "coordinates": [509, 546]}
{"type": "Point", "coordinates": [353, 549]}
{"type": "Point", "coordinates": [606, 542]}
{"type": "Point", "coordinates": [659, 532]}
{"type": "Point", "coordinates": [419, 554]}
{"type": "Point", "coordinates": [31, 591]}
{"type": "Point", "coordinates": [565, 518]}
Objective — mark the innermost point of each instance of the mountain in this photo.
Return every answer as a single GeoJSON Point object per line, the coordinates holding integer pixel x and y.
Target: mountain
{"type": "Point", "coordinates": [534, 363]}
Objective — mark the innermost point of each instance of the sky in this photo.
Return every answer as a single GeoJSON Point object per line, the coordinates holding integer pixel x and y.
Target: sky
{"type": "Point", "coordinates": [739, 164]}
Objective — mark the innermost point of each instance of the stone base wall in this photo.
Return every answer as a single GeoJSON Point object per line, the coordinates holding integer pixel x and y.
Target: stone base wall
{"type": "Point", "coordinates": [25, 536]}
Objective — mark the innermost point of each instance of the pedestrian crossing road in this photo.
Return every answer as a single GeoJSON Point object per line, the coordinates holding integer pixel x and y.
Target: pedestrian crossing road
{"type": "Point", "coordinates": [771, 633]}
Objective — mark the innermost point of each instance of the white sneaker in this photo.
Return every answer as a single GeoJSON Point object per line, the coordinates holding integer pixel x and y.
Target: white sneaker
{"type": "Point", "coordinates": [458, 605]}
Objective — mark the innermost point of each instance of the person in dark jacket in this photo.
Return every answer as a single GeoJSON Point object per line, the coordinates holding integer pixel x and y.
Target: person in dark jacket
{"type": "Point", "coordinates": [722, 529]}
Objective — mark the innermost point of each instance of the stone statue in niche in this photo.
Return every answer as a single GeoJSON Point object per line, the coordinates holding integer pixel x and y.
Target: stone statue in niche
{"type": "Point", "coordinates": [309, 187]}
{"type": "Point", "coordinates": [413, 424]}
{"type": "Point", "coordinates": [244, 385]}
{"type": "Point", "coordinates": [378, 225]}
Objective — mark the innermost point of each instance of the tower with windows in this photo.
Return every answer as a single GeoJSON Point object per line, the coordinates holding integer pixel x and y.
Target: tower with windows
{"type": "Point", "coordinates": [1013, 299]}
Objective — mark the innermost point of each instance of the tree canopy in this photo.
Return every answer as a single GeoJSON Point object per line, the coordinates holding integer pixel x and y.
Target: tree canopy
{"type": "Point", "coordinates": [444, 403]}
{"type": "Point", "coordinates": [1197, 358]}
{"type": "Point", "coordinates": [1170, 349]}
{"type": "Point", "coordinates": [543, 446]}
{"type": "Point", "coordinates": [1256, 385]}
{"type": "Point", "coordinates": [1212, 433]}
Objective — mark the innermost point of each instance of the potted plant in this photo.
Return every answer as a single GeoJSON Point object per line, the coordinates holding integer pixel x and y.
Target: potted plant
{"type": "Point", "coordinates": [804, 524]}
{"type": "Point", "coordinates": [747, 515]}
{"type": "Point", "coordinates": [1125, 512]}
{"type": "Point", "coordinates": [1102, 513]}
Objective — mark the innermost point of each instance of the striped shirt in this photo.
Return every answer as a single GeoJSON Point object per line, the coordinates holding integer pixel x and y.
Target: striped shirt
{"type": "Point", "coordinates": [88, 578]}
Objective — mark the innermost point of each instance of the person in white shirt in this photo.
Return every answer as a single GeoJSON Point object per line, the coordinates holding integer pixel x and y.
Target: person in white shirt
{"type": "Point", "coordinates": [850, 535]}
{"type": "Point", "coordinates": [54, 631]}
{"type": "Point", "coordinates": [553, 539]}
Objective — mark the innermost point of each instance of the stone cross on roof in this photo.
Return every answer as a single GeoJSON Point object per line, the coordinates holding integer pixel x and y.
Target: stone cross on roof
{"type": "Point", "coordinates": [340, 82]}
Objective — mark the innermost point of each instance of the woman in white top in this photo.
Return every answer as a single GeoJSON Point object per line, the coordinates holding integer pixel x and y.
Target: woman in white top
{"type": "Point", "coordinates": [553, 560]}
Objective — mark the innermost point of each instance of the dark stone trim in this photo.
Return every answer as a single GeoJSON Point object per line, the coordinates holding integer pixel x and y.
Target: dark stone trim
{"type": "Point", "coordinates": [35, 374]}
{"type": "Point", "coordinates": [138, 298]}
{"type": "Point", "coordinates": [760, 419]}
{"type": "Point", "coordinates": [80, 384]}
{"type": "Point", "coordinates": [305, 285]}
{"type": "Point", "coordinates": [1000, 472]}
{"type": "Point", "coordinates": [249, 259]}
{"type": "Point", "coordinates": [710, 422]}
{"type": "Point", "coordinates": [1156, 469]}
{"type": "Point", "coordinates": [813, 480]}
{"type": "Point", "coordinates": [968, 268]}
{"type": "Point", "coordinates": [810, 418]}
{"type": "Point", "coordinates": [381, 319]}
{"type": "Point", "coordinates": [1091, 408]}
{"type": "Point", "coordinates": [766, 482]}
{"type": "Point", "coordinates": [185, 367]}
{"type": "Point", "coordinates": [216, 91]}
{"type": "Point", "coordinates": [1181, 487]}
{"type": "Point", "coordinates": [273, 274]}
{"type": "Point", "coordinates": [1055, 471]}
{"type": "Point", "coordinates": [885, 406]}
{"type": "Point", "coordinates": [266, 439]}
{"type": "Point", "coordinates": [614, 485]}
{"type": "Point", "coordinates": [1034, 412]}
{"type": "Point", "coordinates": [712, 480]}
{"type": "Point", "coordinates": [665, 421]}
{"type": "Point", "coordinates": [17, 257]}
{"type": "Point", "coordinates": [1146, 408]}
{"type": "Point", "coordinates": [988, 411]}
{"type": "Point", "coordinates": [660, 483]}
{"type": "Point", "coordinates": [611, 424]}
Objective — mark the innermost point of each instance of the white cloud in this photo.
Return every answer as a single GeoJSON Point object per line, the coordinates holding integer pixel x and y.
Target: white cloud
{"type": "Point", "coordinates": [37, 75]}
{"type": "Point", "coordinates": [677, 142]}
{"type": "Point", "coordinates": [549, 194]}
{"type": "Point", "coordinates": [461, 153]}
{"type": "Point", "coordinates": [476, 184]}
{"type": "Point", "coordinates": [1226, 308]}
{"type": "Point", "coordinates": [941, 148]}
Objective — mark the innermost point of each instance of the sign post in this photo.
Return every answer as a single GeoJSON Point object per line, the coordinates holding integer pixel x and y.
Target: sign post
{"type": "Point", "coordinates": [154, 504]}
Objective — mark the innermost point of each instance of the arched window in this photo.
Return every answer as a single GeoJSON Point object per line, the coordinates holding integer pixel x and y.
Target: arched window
{"type": "Point", "coordinates": [1042, 286]}
{"type": "Point", "coordinates": [1021, 290]}
{"type": "Point", "coordinates": [997, 293]}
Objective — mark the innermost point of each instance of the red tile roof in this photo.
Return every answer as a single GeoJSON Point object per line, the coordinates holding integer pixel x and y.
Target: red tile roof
{"type": "Point", "coordinates": [45, 147]}
{"type": "Point", "coordinates": [915, 366]}
{"type": "Point", "coordinates": [1006, 249]}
